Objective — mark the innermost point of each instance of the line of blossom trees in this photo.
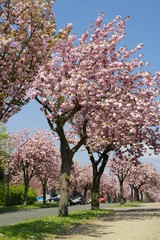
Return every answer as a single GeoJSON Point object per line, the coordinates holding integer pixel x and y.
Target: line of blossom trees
{"type": "Point", "coordinates": [99, 90]}
{"type": "Point", "coordinates": [140, 178]}
{"type": "Point", "coordinates": [35, 155]}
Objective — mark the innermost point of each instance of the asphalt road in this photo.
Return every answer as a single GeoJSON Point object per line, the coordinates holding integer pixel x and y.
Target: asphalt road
{"type": "Point", "coordinates": [8, 218]}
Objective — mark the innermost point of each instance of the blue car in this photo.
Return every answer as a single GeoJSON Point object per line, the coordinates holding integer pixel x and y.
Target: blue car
{"type": "Point", "coordinates": [40, 198]}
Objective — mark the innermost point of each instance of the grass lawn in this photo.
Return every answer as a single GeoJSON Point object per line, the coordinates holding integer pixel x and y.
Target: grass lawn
{"type": "Point", "coordinates": [47, 227]}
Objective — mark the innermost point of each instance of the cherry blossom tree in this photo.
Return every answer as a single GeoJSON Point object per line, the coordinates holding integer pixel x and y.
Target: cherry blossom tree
{"type": "Point", "coordinates": [27, 35]}
{"type": "Point", "coordinates": [120, 167]}
{"type": "Point", "coordinates": [99, 93]}
{"type": "Point", "coordinates": [124, 115]}
{"type": "Point", "coordinates": [32, 154]}
{"type": "Point", "coordinates": [47, 160]}
{"type": "Point", "coordinates": [151, 192]}
{"type": "Point", "coordinates": [141, 175]}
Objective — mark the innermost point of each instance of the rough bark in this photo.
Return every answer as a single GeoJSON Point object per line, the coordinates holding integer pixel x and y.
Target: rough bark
{"type": "Point", "coordinates": [132, 195]}
{"type": "Point", "coordinates": [121, 192]}
{"type": "Point", "coordinates": [26, 187]}
{"type": "Point", "coordinates": [66, 164]}
{"type": "Point", "coordinates": [141, 193]}
{"type": "Point", "coordinates": [66, 153]}
{"type": "Point", "coordinates": [95, 192]}
{"type": "Point", "coordinates": [136, 194]}
{"type": "Point", "coordinates": [44, 184]}
{"type": "Point", "coordinates": [64, 185]}
{"type": "Point", "coordinates": [98, 169]}
{"type": "Point", "coordinates": [27, 177]}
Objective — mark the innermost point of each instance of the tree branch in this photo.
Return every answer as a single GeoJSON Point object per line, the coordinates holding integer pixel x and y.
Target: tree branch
{"type": "Point", "coordinates": [82, 140]}
{"type": "Point", "coordinates": [68, 114]}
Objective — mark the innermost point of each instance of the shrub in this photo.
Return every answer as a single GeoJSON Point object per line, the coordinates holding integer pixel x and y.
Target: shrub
{"type": "Point", "coordinates": [31, 196]}
{"type": "Point", "coordinates": [16, 194]}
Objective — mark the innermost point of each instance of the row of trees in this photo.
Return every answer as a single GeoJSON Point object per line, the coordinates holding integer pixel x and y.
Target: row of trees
{"type": "Point", "coordinates": [95, 94]}
{"type": "Point", "coordinates": [140, 177]}
{"type": "Point", "coordinates": [36, 156]}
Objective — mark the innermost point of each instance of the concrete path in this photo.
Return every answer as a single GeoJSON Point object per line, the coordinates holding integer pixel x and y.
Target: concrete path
{"type": "Point", "coordinates": [120, 225]}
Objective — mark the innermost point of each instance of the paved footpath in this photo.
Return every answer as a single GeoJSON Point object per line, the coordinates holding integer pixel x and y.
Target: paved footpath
{"type": "Point", "coordinates": [124, 224]}
{"type": "Point", "coordinates": [133, 225]}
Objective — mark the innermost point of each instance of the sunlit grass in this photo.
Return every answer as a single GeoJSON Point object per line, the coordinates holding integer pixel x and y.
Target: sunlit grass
{"type": "Point", "coordinates": [47, 227]}
{"type": "Point", "coordinates": [129, 204]}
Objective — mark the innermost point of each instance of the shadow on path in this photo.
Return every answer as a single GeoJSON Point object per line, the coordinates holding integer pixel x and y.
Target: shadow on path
{"type": "Point", "coordinates": [114, 226]}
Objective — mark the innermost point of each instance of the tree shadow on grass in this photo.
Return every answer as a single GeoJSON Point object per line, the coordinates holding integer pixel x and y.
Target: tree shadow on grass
{"type": "Point", "coordinates": [43, 228]}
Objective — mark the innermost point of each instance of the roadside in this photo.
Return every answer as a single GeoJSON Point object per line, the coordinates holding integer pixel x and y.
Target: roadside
{"type": "Point", "coordinates": [7, 218]}
{"type": "Point", "coordinates": [122, 223]}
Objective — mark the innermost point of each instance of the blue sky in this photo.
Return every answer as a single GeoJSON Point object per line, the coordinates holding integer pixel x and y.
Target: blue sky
{"type": "Point", "coordinates": [142, 27]}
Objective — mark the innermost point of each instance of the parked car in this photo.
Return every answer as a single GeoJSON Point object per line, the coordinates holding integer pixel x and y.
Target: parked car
{"type": "Point", "coordinates": [55, 198]}
{"type": "Point", "coordinates": [77, 198]}
{"type": "Point", "coordinates": [102, 199]}
{"type": "Point", "coordinates": [40, 198]}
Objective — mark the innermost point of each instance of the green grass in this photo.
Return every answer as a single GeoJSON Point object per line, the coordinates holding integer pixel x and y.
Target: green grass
{"type": "Point", "coordinates": [129, 204]}
{"type": "Point", "coordinates": [22, 207]}
{"type": "Point", "coordinates": [51, 205]}
{"type": "Point", "coordinates": [47, 227]}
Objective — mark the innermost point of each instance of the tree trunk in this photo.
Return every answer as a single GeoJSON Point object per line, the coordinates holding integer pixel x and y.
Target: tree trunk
{"type": "Point", "coordinates": [141, 196]}
{"type": "Point", "coordinates": [95, 192]}
{"type": "Point", "coordinates": [132, 196]}
{"type": "Point", "coordinates": [85, 191]}
{"type": "Point", "coordinates": [108, 198]}
{"type": "Point", "coordinates": [26, 186]}
{"type": "Point", "coordinates": [44, 184]}
{"type": "Point", "coordinates": [66, 154]}
{"type": "Point", "coordinates": [98, 169]}
{"type": "Point", "coordinates": [136, 194]}
{"type": "Point", "coordinates": [64, 185]}
{"type": "Point", "coordinates": [121, 192]}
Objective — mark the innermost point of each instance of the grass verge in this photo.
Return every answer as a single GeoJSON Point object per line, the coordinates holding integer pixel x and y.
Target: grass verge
{"type": "Point", "coordinates": [22, 207]}
{"type": "Point", "coordinates": [55, 204]}
{"type": "Point", "coordinates": [131, 204]}
{"type": "Point", "coordinates": [47, 227]}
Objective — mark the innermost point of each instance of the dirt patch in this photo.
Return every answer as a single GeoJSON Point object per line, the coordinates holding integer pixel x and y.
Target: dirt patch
{"type": "Point", "coordinates": [119, 226]}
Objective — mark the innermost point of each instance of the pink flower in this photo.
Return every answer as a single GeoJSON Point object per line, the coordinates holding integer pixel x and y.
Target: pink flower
{"type": "Point", "coordinates": [139, 46]}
